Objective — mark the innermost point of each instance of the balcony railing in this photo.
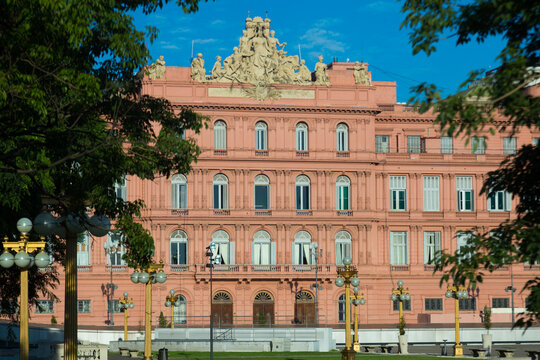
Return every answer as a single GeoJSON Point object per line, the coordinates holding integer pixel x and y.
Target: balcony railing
{"type": "Point", "coordinates": [343, 154]}
{"type": "Point", "coordinates": [399, 268]}
{"type": "Point", "coordinates": [344, 213]}
{"type": "Point", "coordinates": [222, 212]}
{"type": "Point", "coordinates": [84, 268]}
{"type": "Point", "coordinates": [180, 268]}
{"type": "Point", "coordinates": [261, 152]}
{"type": "Point", "coordinates": [263, 212]}
{"type": "Point", "coordinates": [179, 212]}
{"type": "Point", "coordinates": [302, 153]}
{"type": "Point", "coordinates": [304, 212]}
{"type": "Point", "coordinates": [116, 268]}
{"type": "Point", "coordinates": [220, 152]}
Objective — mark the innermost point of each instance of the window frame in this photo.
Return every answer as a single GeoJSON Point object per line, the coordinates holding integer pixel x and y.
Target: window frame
{"type": "Point", "coordinates": [447, 145]}
{"type": "Point", "coordinates": [509, 145]}
{"type": "Point", "coordinates": [478, 145]}
{"type": "Point", "coordinates": [343, 185]}
{"type": "Point", "coordinates": [39, 309]}
{"type": "Point", "coordinates": [178, 237]}
{"type": "Point", "coordinates": [301, 252]}
{"type": "Point", "coordinates": [432, 301]}
{"type": "Point", "coordinates": [499, 200]}
{"type": "Point", "coordinates": [179, 195]}
{"type": "Point", "coordinates": [224, 247]}
{"type": "Point", "coordinates": [431, 247]}
{"type": "Point", "coordinates": [121, 249]}
{"type": "Point", "coordinates": [82, 305]}
{"type": "Point", "coordinates": [431, 192]}
{"type": "Point", "coordinates": [261, 136]}
{"type": "Point", "coordinates": [464, 186]}
{"type": "Point", "coordinates": [262, 238]}
{"type": "Point", "coordinates": [302, 186]}
{"type": "Point", "coordinates": [343, 241]}
{"type": "Point", "coordinates": [220, 192]}
{"type": "Point", "coordinates": [398, 192]}
{"type": "Point", "coordinates": [261, 181]}
{"type": "Point", "coordinates": [399, 252]}
{"type": "Point", "coordinates": [342, 137]}
{"type": "Point", "coordinates": [220, 135]}
{"type": "Point", "coordinates": [302, 138]}
{"type": "Point", "coordinates": [380, 145]}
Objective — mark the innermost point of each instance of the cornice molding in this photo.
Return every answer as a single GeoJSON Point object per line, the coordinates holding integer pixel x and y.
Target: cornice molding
{"type": "Point", "coordinates": [277, 108]}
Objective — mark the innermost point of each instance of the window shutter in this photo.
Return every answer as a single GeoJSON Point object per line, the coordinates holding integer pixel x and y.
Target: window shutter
{"type": "Point", "coordinates": [508, 204]}
{"type": "Point", "coordinates": [174, 196]}
{"type": "Point", "coordinates": [472, 200]}
{"type": "Point", "coordinates": [294, 256]}
{"type": "Point", "coordinates": [253, 253]}
{"type": "Point", "coordinates": [273, 253]}
{"type": "Point", "coordinates": [231, 253]}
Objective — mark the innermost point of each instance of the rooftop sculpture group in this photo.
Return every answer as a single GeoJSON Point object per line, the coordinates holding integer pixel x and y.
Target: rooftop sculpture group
{"type": "Point", "coordinates": [259, 58]}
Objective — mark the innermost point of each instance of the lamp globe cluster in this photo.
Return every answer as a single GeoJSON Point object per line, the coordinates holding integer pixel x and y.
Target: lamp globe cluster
{"type": "Point", "coordinates": [23, 259]}
{"type": "Point", "coordinates": [143, 277]}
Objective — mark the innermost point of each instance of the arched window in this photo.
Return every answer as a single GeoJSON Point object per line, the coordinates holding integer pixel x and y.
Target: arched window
{"type": "Point", "coordinates": [220, 135]}
{"type": "Point", "coordinates": [342, 132]}
{"type": "Point", "coordinates": [301, 249]}
{"type": "Point", "coordinates": [178, 192]}
{"type": "Point", "coordinates": [83, 249]}
{"type": "Point", "coordinates": [262, 192]}
{"type": "Point", "coordinates": [221, 192]}
{"type": "Point", "coordinates": [224, 251]}
{"type": "Point", "coordinates": [180, 310]}
{"type": "Point", "coordinates": [178, 247]}
{"type": "Point", "coordinates": [343, 190]}
{"type": "Point", "coordinates": [263, 309]}
{"type": "Point", "coordinates": [341, 308]}
{"type": "Point", "coordinates": [114, 250]}
{"type": "Point", "coordinates": [343, 246]}
{"type": "Point", "coordinates": [302, 192]}
{"type": "Point", "coordinates": [304, 308]}
{"type": "Point", "coordinates": [263, 251]}
{"type": "Point", "coordinates": [301, 137]}
{"type": "Point", "coordinates": [261, 137]}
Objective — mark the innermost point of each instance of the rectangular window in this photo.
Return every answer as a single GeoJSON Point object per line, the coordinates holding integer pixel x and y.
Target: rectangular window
{"type": "Point", "coordinates": [431, 193]}
{"type": "Point", "coordinates": [433, 304]}
{"type": "Point", "coordinates": [302, 197]}
{"type": "Point", "coordinates": [260, 143]}
{"type": "Point", "coordinates": [432, 244]}
{"type": "Point", "coordinates": [120, 188]}
{"type": "Point", "coordinates": [509, 145]}
{"type": "Point", "coordinates": [263, 253]}
{"type": "Point", "coordinates": [500, 303]}
{"type": "Point", "coordinates": [343, 249]}
{"type": "Point", "coordinates": [478, 144]}
{"type": "Point", "coordinates": [115, 304]}
{"type": "Point", "coordinates": [302, 253]}
{"type": "Point", "coordinates": [44, 307]}
{"type": "Point", "coordinates": [179, 196]}
{"type": "Point", "coordinates": [342, 198]}
{"type": "Point", "coordinates": [499, 201]}
{"type": "Point", "coordinates": [406, 305]}
{"type": "Point", "coordinates": [462, 240]}
{"type": "Point", "coordinates": [83, 306]}
{"type": "Point", "coordinates": [115, 257]}
{"type": "Point", "coordinates": [447, 146]}
{"type": "Point", "coordinates": [465, 193]}
{"type": "Point", "coordinates": [468, 304]}
{"type": "Point", "coordinates": [83, 249]}
{"type": "Point", "coordinates": [220, 196]}
{"type": "Point", "coordinates": [398, 193]}
{"type": "Point", "coordinates": [398, 248]}
{"type": "Point", "coordinates": [381, 143]}
{"type": "Point", "coordinates": [415, 144]}
{"type": "Point", "coordinates": [261, 197]}
{"type": "Point", "coordinates": [178, 253]}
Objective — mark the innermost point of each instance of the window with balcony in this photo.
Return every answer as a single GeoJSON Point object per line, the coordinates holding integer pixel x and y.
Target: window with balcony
{"type": "Point", "coordinates": [509, 145]}
{"type": "Point", "coordinates": [221, 192]}
{"type": "Point", "coordinates": [224, 249]}
{"type": "Point", "coordinates": [462, 241]}
{"type": "Point", "coordinates": [342, 141]}
{"type": "Point", "coordinates": [432, 244]}
{"type": "Point", "coordinates": [447, 146]}
{"type": "Point", "coordinates": [263, 250]}
{"type": "Point", "coordinates": [415, 144]}
{"type": "Point", "coordinates": [178, 240]}
{"type": "Point", "coordinates": [343, 189]}
{"type": "Point", "coordinates": [398, 193]}
{"type": "Point", "coordinates": [343, 246]}
{"type": "Point", "coordinates": [302, 137]}
{"type": "Point", "coordinates": [178, 192]}
{"type": "Point", "coordinates": [399, 254]}
{"type": "Point", "coordinates": [301, 249]}
{"type": "Point", "coordinates": [180, 310]}
{"type": "Point", "coordinates": [261, 136]}
{"type": "Point", "coordinates": [220, 135]}
{"type": "Point", "coordinates": [499, 201]}
{"type": "Point", "coordinates": [83, 249]}
{"type": "Point", "coordinates": [115, 248]}
{"type": "Point", "coordinates": [431, 193]}
{"type": "Point", "coordinates": [302, 192]}
{"type": "Point", "coordinates": [381, 143]}
{"type": "Point", "coordinates": [465, 193]}
{"type": "Point", "coordinates": [478, 144]}
{"type": "Point", "coordinates": [262, 192]}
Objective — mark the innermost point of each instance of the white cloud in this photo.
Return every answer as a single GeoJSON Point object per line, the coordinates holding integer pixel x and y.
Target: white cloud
{"type": "Point", "coordinates": [217, 22]}
{"type": "Point", "coordinates": [204, 41]}
{"type": "Point", "coordinates": [322, 39]}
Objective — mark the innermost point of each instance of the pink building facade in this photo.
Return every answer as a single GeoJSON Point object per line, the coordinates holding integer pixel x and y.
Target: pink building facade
{"type": "Point", "coordinates": [284, 166]}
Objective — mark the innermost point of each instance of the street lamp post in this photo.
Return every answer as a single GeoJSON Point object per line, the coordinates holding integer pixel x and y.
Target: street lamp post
{"type": "Point", "coordinates": [457, 292]}
{"type": "Point", "coordinates": [111, 250]}
{"type": "Point", "coordinates": [316, 253]}
{"type": "Point", "coordinates": [125, 304]}
{"type": "Point", "coordinates": [357, 299]}
{"type": "Point", "coordinates": [24, 260]}
{"type": "Point", "coordinates": [212, 259]}
{"type": "Point", "coordinates": [512, 290]}
{"type": "Point", "coordinates": [172, 301]}
{"type": "Point", "coordinates": [152, 274]}
{"type": "Point", "coordinates": [347, 277]}
{"type": "Point", "coordinates": [401, 294]}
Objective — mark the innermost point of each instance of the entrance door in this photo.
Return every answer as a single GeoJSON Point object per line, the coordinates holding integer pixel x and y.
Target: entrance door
{"type": "Point", "coordinates": [222, 309]}
{"type": "Point", "coordinates": [304, 308]}
{"type": "Point", "coordinates": [263, 309]}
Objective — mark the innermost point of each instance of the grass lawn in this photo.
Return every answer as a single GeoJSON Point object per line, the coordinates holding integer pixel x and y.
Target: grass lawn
{"type": "Point", "coordinates": [334, 355]}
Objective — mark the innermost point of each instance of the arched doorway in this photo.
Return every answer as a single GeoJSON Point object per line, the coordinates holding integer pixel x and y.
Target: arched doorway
{"type": "Point", "coordinates": [304, 308]}
{"type": "Point", "coordinates": [222, 309]}
{"type": "Point", "coordinates": [263, 309]}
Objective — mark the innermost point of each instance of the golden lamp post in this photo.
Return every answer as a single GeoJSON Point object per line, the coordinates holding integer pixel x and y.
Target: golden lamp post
{"type": "Point", "coordinates": [154, 273]}
{"type": "Point", "coordinates": [401, 294]}
{"type": "Point", "coordinates": [172, 301]}
{"type": "Point", "coordinates": [24, 260]}
{"type": "Point", "coordinates": [357, 299]}
{"type": "Point", "coordinates": [125, 304]}
{"type": "Point", "coordinates": [457, 292]}
{"type": "Point", "coordinates": [347, 277]}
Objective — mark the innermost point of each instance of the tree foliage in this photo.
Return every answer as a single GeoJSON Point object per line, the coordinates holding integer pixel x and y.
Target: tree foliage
{"type": "Point", "coordinates": [73, 121]}
{"type": "Point", "coordinates": [497, 100]}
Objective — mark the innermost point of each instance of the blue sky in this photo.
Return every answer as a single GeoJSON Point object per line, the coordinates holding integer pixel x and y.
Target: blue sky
{"type": "Point", "coordinates": [364, 30]}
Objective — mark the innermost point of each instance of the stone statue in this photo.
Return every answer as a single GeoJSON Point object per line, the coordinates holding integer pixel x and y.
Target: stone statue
{"type": "Point", "coordinates": [321, 78]}
{"type": "Point", "coordinates": [361, 76]}
{"type": "Point", "coordinates": [197, 69]}
{"type": "Point", "coordinates": [303, 76]}
{"type": "Point", "coordinates": [157, 69]}
{"type": "Point", "coordinates": [217, 70]}
{"type": "Point", "coordinates": [273, 42]}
